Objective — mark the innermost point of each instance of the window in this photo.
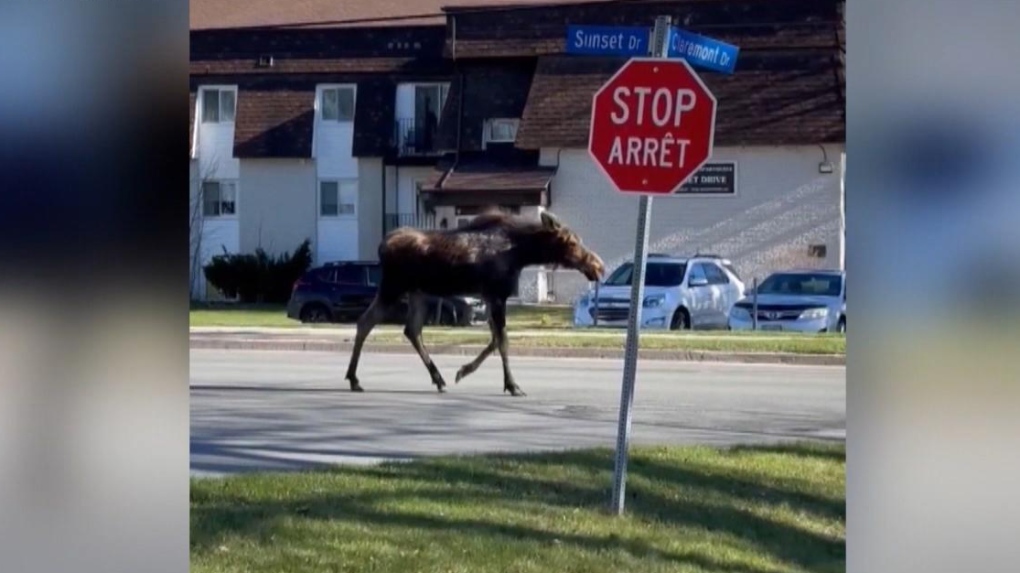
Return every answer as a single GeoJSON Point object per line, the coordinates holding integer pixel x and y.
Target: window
{"type": "Point", "coordinates": [218, 105]}
{"type": "Point", "coordinates": [338, 198]}
{"type": "Point", "coordinates": [715, 275]}
{"type": "Point", "coordinates": [219, 199]}
{"type": "Point", "coordinates": [429, 98]}
{"type": "Point", "coordinates": [501, 131]}
{"type": "Point", "coordinates": [732, 269]}
{"type": "Point", "coordinates": [697, 272]}
{"type": "Point", "coordinates": [337, 104]}
{"type": "Point", "coordinates": [350, 275]}
{"type": "Point", "coordinates": [822, 284]}
{"type": "Point", "coordinates": [656, 275]}
{"type": "Point", "coordinates": [664, 274]}
{"type": "Point", "coordinates": [621, 276]}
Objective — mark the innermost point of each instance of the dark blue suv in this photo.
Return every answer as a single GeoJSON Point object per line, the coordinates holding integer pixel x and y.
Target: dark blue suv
{"type": "Point", "coordinates": [342, 291]}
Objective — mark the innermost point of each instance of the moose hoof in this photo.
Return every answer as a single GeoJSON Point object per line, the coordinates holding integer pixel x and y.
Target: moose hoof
{"type": "Point", "coordinates": [355, 385]}
{"type": "Point", "coordinates": [514, 391]}
{"type": "Point", "coordinates": [461, 374]}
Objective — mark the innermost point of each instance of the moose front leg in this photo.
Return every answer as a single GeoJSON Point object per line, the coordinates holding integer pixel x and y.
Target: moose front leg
{"type": "Point", "coordinates": [412, 330]}
{"type": "Point", "coordinates": [371, 317]}
{"type": "Point", "coordinates": [500, 338]}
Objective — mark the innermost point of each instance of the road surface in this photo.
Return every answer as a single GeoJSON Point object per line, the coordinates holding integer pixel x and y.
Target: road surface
{"type": "Point", "coordinates": [290, 410]}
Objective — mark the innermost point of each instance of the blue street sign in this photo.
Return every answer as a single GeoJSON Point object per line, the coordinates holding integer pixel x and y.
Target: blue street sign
{"type": "Point", "coordinates": [608, 40]}
{"type": "Point", "coordinates": [702, 51]}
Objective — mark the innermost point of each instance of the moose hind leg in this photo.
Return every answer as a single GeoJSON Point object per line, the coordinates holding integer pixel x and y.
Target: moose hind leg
{"type": "Point", "coordinates": [371, 317]}
{"type": "Point", "coordinates": [499, 334]}
{"type": "Point", "coordinates": [470, 367]}
{"type": "Point", "coordinates": [412, 330]}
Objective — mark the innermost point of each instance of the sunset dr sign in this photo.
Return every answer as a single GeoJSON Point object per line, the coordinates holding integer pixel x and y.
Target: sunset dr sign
{"type": "Point", "coordinates": [652, 126]}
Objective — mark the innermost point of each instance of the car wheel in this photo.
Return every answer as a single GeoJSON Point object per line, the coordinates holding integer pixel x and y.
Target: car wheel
{"type": "Point", "coordinates": [315, 313]}
{"type": "Point", "coordinates": [681, 320]}
{"type": "Point", "coordinates": [841, 327]}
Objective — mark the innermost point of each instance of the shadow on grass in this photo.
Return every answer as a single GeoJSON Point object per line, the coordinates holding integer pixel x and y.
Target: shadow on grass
{"type": "Point", "coordinates": [673, 493]}
{"type": "Point", "coordinates": [804, 449]}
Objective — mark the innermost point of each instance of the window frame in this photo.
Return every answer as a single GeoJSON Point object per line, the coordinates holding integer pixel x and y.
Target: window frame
{"type": "Point", "coordinates": [320, 103]}
{"type": "Point", "coordinates": [235, 185]}
{"type": "Point", "coordinates": [340, 185]}
{"type": "Point", "coordinates": [491, 125]}
{"type": "Point", "coordinates": [203, 94]}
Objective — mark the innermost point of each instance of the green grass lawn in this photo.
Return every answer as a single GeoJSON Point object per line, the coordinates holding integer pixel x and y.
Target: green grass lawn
{"type": "Point", "coordinates": [555, 320]}
{"type": "Point", "coordinates": [701, 341]}
{"type": "Point", "coordinates": [690, 509]}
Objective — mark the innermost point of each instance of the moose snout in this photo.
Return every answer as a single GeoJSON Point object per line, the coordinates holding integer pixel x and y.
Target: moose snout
{"type": "Point", "coordinates": [594, 269]}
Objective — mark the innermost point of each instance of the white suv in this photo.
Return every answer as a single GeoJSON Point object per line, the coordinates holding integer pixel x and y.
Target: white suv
{"type": "Point", "coordinates": [680, 294]}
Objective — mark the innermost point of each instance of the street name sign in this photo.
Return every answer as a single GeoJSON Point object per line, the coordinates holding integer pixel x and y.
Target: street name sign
{"type": "Point", "coordinates": [608, 40]}
{"type": "Point", "coordinates": [702, 51]}
{"type": "Point", "coordinates": [652, 126]}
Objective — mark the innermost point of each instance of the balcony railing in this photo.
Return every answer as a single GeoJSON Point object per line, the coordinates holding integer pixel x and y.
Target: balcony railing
{"type": "Point", "coordinates": [415, 137]}
{"type": "Point", "coordinates": [395, 220]}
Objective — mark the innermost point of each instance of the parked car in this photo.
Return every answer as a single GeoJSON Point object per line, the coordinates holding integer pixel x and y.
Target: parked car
{"type": "Point", "coordinates": [680, 293]}
{"type": "Point", "coordinates": [342, 291]}
{"type": "Point", "coordinates": [796, 300]}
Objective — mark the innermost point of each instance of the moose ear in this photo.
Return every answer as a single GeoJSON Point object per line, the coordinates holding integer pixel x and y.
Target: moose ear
{"type": "Point", "coordinates": [550, 221]}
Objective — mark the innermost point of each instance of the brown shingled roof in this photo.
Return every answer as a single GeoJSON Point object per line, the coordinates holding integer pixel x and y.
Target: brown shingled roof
{"type": "Point", "coordinates": [772, 100]}
{"type": "Point", "coordinates": [508, 170]}
{"type": "Point", "coordinates": [274, 122]}
{"type": "Point", "coordinates": [749, 24]}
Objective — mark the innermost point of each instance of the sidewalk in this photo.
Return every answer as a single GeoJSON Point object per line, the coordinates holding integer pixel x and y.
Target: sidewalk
{"type": "Point", "coordinates": [341, 340]}
{"type": "Point", "coordinates": [345, 332]}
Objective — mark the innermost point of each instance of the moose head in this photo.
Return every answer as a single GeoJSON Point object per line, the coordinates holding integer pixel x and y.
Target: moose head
{"type": "Point", "coordinates": [564, 247]}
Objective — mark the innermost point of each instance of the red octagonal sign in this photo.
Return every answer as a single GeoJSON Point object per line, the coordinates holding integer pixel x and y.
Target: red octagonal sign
{"type": "Point", "coordinates": [652, 126]}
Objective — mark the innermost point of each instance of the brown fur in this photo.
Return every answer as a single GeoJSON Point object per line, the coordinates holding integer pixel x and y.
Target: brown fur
{"type": "Point", "coordinates": [484, 259]}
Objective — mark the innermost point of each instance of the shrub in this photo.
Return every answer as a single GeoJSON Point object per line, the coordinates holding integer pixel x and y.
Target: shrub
{"type": "Point", "coordinates": [258, 277]}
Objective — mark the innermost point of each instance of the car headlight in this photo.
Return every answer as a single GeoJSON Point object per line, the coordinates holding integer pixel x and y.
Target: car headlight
{"type": "Point", "coordinates": [813, 313]}
{"type": "Point", "coordinates": [740, 313]}
{"type": "Point", "coordinates": [655, 300]}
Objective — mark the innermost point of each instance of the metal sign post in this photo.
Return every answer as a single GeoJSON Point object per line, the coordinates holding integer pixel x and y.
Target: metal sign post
{"type": "Point", "coordinates": [660, 36]}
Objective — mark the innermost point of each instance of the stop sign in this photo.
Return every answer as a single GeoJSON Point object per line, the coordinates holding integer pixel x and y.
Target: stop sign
{"type": "Point", "coordinates": [652, 126]}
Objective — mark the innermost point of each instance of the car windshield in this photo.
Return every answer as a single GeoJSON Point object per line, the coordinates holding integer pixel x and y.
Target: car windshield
{"type": "Point", "coordinates": [656, 275]}
{"type": "Point", "coordinates": [802, 284]}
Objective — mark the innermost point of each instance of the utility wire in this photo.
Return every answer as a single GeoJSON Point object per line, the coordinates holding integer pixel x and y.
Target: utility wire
{"type": "Point", "coordinates": [504, 9]}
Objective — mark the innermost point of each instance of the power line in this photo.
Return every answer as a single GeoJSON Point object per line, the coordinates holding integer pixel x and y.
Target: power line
{"type": "Point", "coordinates": [470, 10]}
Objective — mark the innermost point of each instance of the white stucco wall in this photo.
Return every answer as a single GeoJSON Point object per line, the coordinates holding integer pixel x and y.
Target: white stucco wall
{"type": "Point", "coordinates": [370, 206]}
{"type": "Point", "coordinates": [782, 205]}
{"type": "Point", "coordinates": [279, 205]}
{"type": "Point", "coordinates": [401, 190]}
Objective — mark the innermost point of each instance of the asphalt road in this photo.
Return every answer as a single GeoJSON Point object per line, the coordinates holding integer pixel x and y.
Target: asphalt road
{"type": "Point", "coordinates": [290, 410]}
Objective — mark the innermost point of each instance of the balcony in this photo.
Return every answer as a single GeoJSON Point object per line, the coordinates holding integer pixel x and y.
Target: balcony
{"type": "Point", "coordinates": [415, 138]}
{"type": "Point", "coordinates": [396, 220]}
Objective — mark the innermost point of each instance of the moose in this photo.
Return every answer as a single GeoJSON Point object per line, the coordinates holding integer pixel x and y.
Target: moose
{"type": "Point", "coordinates": [485, 259]}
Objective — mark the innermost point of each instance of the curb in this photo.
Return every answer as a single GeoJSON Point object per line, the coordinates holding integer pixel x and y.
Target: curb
{"type": "Point", "coordinates": [210, 343]}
